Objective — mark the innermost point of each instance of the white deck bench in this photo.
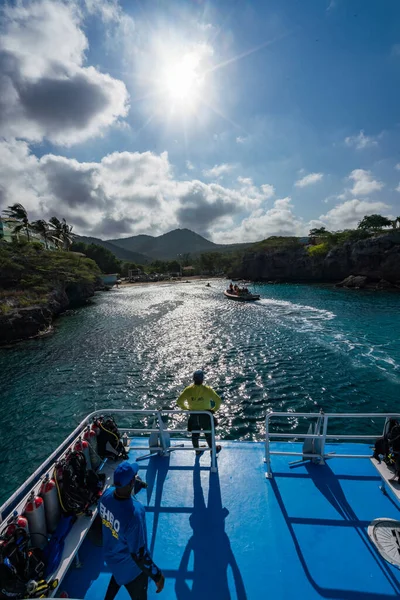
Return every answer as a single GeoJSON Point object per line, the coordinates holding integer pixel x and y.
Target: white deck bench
{"type": "Point", "coordinates": [386, 473]}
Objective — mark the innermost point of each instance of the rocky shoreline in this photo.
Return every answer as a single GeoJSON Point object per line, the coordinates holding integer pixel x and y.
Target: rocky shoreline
{"type": "Point", "coordinates": [373, 263]}
{"type": "Point", "coordinates": [22, 323]}
{"type": "Point", "coordinates": [37, 285]}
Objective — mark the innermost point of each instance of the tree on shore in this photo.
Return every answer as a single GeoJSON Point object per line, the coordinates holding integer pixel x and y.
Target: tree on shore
{"type": "Point", "coordinates": [63, 232]}
{"type": "Point", "coordinates": [105, 260]}
{"type": "Point", "coordinates": [318, 232]}
{"type": "Point", "coordinates": [19, 213]}
{"type": "Point", "coordinates": [374, 222]}
{"type": "Point", "coordinates": [46, 232]}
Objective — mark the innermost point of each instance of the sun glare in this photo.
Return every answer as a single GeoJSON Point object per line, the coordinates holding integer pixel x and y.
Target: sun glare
{"type": "Point", "coordinates": [182, 80]}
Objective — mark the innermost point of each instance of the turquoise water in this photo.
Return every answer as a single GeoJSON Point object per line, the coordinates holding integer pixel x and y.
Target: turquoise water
{"type": "Point", "coordinates": [300, 348]}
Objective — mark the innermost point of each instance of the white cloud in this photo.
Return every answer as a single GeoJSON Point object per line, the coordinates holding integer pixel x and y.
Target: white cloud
{"type": "Point", "coordinates": [189, 165]}
{"type": "Point", "coordinates": [259, 195]}
{"type": "Point", "coordinates": [361, 141]}
{"type": "Point", "coordinates": [260, 224]}
{"type": "Point", "coordinates": [309, 179]}
{"type": "Point", "coordinates": [240, 139]}
{"type": "Point", "coordinates": [348, 214]}
{"type": "Point", "coordinates": [397, 166]}
{"type": "Point", "coordinates": [398, 188]}
{"type": "Point", "coordinates": [124, 193]}
{"type": "Point", "coordinates": [45, 89]}
{"type": "Point", "coordinates": [364, 184]}
{"type": "Point", "coordinates": [42, 36]}
{"type": "Point", "coordinates": [245, 180]}
{"type": "Point", "coordinates": [342, 196]}
{"type": "Point", "coordinates": [268, 190]}
{"type": "Point", "coordinates": [218, 171]}
{"type": "Point", "coordinates": [207, 27]}
{"type": "Point", "coordinates": [109, 10]}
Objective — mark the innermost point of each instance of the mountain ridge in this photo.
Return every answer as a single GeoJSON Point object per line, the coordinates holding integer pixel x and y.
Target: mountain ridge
{"type": "Point", "coordinates": [142, 248]}
{"type": "Point", "coordinates": [169, 245]}
{"type": "Point", "coordinates": [121, 253]}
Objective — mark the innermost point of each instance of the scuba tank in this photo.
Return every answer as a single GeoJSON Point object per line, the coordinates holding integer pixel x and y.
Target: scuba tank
{"type": "Point", "coordinates": [83, 446]}
{"type": "Point", "coordinates": [90, 436]}
{"type": "Point", "coordinates": [52, 509]}
{"type": "Point", "coordinates": [17, 522]}
{"type": "Point", "coordinates": [126, 442]}
{"type": "Point", "coordinates": [34, 513]}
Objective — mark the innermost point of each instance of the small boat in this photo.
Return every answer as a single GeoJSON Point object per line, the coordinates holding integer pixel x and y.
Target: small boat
{"type": "Point", "coordinates": [242, 297]}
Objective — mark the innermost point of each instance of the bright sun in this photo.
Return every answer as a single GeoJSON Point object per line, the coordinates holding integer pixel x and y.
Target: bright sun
{"type": "Point", "coordinates": [182, 80]}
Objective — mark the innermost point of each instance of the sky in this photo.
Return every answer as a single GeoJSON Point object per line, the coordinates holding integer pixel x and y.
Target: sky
{"type": "Point", "coordinates": [237, 119]}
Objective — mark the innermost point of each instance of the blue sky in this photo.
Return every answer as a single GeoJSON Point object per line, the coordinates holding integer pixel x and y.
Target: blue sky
{"type": "Point", "coordinates": [237, 119]}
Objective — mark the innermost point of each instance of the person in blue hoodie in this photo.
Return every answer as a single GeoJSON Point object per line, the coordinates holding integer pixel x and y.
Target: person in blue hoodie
{"type": "Point", "coordinates": [125, 537]}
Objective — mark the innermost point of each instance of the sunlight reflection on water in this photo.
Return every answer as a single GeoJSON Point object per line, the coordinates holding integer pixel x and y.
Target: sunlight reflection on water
{"type": "Point", "coordinates": [300, 348]}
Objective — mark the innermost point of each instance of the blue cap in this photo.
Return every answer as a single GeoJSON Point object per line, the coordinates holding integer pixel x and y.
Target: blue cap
{"type": "Point", "coordinates": [198, 376]}
{"type": "Point", "coordinates": [124, 473]}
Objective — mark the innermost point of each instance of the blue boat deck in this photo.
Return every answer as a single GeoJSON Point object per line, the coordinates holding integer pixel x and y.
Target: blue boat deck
{"type": "Point", "coordinates": [236, 535]}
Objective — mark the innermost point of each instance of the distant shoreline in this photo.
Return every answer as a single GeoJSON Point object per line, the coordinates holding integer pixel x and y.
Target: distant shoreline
{"type": "Point", "coordinates": [168, 282]}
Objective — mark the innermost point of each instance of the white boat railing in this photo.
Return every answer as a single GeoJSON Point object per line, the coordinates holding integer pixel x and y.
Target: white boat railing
{"type": "Point", "coordinates": [319, 436]}
{"type": "Point", "coordinates": [159, 429]}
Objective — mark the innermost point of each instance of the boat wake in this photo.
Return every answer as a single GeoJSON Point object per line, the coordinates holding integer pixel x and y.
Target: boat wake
{"type": "Point", "coordinates": [366, 354]}
{"type": "Point", "coordinates": [305, 317]}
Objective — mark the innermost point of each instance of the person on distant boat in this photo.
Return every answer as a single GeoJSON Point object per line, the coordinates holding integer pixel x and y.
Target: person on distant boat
{"type": "Point", "coordinates": [235, 289]}
{"type": "Point", "coordinates": [198, 396]}
{"type": "Point", "coordinates": [231, 290]}
{"type": "Point", "coordinates": [125, 537]}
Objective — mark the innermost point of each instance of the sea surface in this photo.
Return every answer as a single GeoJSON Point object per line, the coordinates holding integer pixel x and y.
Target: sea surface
{"type": "Point", "coordinates": [300, 348]}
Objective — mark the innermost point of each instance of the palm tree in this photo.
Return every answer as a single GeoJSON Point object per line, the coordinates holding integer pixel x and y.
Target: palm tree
{"type": "Point", "coordinates": [18, 213]}
{"type": "Point", "coordinates": [63, 232]}
{"type": "Point", "coordinates": [44, 230]}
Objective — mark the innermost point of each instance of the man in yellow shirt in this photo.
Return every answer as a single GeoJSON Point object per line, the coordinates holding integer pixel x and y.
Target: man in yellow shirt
{"type": "Point", "coordinates": [198, 396]}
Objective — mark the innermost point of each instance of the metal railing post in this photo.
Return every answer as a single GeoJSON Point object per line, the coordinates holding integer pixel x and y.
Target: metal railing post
{"type": "Point", "coordinates": [324, 432]}
{"type": "Point", "coordinates": [213, 446]}
{"type": "Point", "coordinates": [267, 458]}
{"type": "Point", "coordinates": [161, 433]}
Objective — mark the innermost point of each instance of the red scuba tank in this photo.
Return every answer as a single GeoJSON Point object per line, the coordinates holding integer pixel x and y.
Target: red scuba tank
{"type": "Point", "coordinates": [34, 512]}
{"type": "Point", "coordinates": [18, 521]}
{"type": "Point", "coordinates": [83, 446]}
{"type": "Point", "coordinates": [90, 436]}
{"type": "Point", "coordinates": [52, 508]}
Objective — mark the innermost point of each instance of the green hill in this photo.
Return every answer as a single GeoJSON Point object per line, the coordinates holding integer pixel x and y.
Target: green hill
{"type": "Point", "coordinates": [119, 251]}
{"type": "Point", "coordinates": [169, 245]}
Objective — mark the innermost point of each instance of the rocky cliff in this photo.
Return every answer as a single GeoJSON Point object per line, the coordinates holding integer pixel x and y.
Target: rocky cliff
{"type": "Point", "coordinates": [375, 259]}
{"type": "Point", "coordinates": [36, 285]}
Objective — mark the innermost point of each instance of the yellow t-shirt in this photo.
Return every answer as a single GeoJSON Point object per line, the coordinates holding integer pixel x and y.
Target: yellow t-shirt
{"type": "Point", "coordinates": [199, 397]}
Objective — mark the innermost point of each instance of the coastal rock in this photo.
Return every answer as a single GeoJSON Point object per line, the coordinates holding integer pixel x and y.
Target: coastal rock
{"type": "Point", "coordinates": [24, 323]}
{"type": "Point", "coordinates": [78, 294]}
{"type": "Point", "coordinates": [37, 284]}
{"type": "Point", "coordinates": [375, 258]}
{"type": "Point", "coordinates": [385, 285]}
{"type": "Point", "coordinates": [354, 281]}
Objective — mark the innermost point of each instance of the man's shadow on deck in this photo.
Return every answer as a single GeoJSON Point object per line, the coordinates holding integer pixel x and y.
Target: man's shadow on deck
{"type": "Point", "coordinates": [209, 548]}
